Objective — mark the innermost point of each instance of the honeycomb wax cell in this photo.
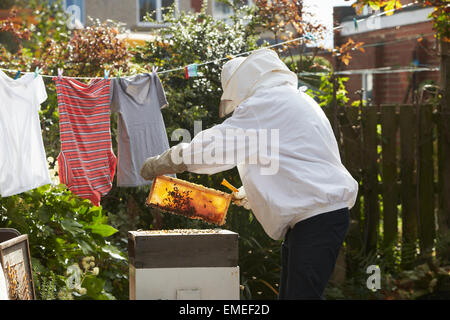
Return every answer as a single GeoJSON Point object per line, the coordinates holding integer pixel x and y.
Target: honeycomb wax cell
{"type": "Point", "coordinates": [189, 199]}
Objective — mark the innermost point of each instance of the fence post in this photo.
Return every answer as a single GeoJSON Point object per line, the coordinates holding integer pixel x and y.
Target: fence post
{"type": "Point", "coordinates": [350, 126]}
{"type": "Point", "coordinates": [389, 167]}
{"type": "Point", "coordinates": [408, 196]}
{"type": "Point", "coordinates": [444, 213]}
{"type": "Point", "coordinates": [334, 102]}
{"type": "Point", "coordinates": [425, 180]}
{"type": "Point", "coordinates": [370, 179]}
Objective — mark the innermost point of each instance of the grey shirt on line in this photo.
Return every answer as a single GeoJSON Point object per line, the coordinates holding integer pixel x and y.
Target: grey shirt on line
{"type": "Point", "coordinates": [138, 100]}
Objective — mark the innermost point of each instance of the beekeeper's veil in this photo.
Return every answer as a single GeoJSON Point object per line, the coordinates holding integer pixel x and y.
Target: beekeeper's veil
{"type": "Point", "coordinates": [242, 76]}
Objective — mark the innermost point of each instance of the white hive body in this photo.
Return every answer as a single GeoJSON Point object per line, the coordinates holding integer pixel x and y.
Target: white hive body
{"type": "Point", "coordinates": [183, 264]}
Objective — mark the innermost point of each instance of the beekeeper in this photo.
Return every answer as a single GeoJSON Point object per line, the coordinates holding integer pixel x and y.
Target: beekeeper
{"type": "Point", "coordinates": [289, 163]}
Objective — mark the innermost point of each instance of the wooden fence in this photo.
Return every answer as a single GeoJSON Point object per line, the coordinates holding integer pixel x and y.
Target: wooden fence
{"type": "Point", "coordinates": [393, 151]}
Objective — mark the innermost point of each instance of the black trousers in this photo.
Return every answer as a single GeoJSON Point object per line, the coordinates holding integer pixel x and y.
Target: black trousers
{"type": "Point", "coordinates": [309, 253]}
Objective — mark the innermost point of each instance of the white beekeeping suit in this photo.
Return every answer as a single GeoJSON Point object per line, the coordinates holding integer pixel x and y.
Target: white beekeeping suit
{"type": "Point", "coordinates": [298, 171]}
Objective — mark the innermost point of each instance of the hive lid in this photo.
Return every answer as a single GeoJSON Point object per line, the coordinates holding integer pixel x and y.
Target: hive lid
{"type": "Point", "coordinates": [182, 232]}
{"type": "Point", "coordinates": [183, 248]}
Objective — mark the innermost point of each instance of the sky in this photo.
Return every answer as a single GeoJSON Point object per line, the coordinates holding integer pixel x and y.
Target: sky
{"type": "Point", "coordinates": [323, 12]}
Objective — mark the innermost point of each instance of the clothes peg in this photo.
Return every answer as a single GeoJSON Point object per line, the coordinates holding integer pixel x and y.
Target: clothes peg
{"type": "Point", "coordinates": [60, 72]}
{"type": "Point", "coordinates": [37, 71]}
{"type": "Point", "coordinates": [355, 23]}
{"type": "Point", "coordinates": [309, 36]}
{"type": "Point", "coordinates": [154, 70]}
{"type": "Point", "coordinates": [17, 75]}
{"type": "Point", "coordinates": [190, 71]}
{"type": "Point", "coordinates": [119, 73]}
{"type": "Point", "coordinates": [107, 74]}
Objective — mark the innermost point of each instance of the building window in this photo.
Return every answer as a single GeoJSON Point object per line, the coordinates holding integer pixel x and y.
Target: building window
{"type": "Point", "coordinates": [367, 10]}
{"type": "Point", "coordinates": [154, 7]}
{"type": "Point", "coordinates": [76, 10]}
{"type": "Point", "coordinates": [223, 11]}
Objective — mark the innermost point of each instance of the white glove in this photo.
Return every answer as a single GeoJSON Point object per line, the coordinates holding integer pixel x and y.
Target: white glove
{"type": "Point", "coordinates": [162, 164]}
{"type": "Point", "coordinates": [240, 198]}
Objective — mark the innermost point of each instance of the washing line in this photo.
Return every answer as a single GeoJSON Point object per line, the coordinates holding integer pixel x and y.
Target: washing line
{"type": "Point", "coordinates": [234, 55]}
{"type": "Point", "coordinates": [377, 44]}
{"type": "Point", "coordinates": [381, 70]}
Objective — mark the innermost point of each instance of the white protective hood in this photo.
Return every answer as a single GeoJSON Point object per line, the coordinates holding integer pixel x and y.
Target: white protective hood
{"type": "Point", "coordinates": [241, 76]}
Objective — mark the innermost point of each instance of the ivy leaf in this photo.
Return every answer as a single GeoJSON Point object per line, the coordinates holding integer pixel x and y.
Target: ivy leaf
{"type": "Point", "coordinates": [99, 219]}
{"type": "Point", "coordinates": [71, 226]}
{"type": "Point", "coordinates": [106, 296]}
{"type": "Point", "coordinates": [94, 285]}
{"type": "Point", "coordinates": [85, 247]}
{"type": "Point", "coordinates": [113, 252]}
{"type": "Point", "coordinates": [44, 215]}
{"type": "Point", "coordinates": [102, 229]}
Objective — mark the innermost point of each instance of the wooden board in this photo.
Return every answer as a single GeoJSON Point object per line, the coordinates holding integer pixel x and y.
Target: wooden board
{"type": "Point", "coordinates": [389, 177]}
{"type": "Point", "coordinates": [426, 181]}
{"type": "Point", "coordinates": [172, 250]}
{"type": "Point", "coordinates": [408, 190]}
{"type": "Point", "coordinates": [16, 263]}
{"type": "Point", "coordinates": [370, 179]}
{"type": "Point", "coordinates": [352, 160]}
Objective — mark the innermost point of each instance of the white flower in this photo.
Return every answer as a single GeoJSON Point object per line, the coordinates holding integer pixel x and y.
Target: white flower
{"type": "Point", "coordinates": [82, 291]}
{"type": "Point", "coordinates": [95, 271]}
{"type": "Point", "coordinates": [85, 265]}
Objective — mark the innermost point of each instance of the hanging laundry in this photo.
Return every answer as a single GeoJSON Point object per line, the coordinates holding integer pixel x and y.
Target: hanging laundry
{"type": "Point", "coordinates": [23, 164]}
{"type": "Point", "coordinates": [190, 71]}
{"type": "Point", "coordinates": [141, 131]}
{"type": "Point", "coordinates": [355, 23]}
{"type": "Point", "coordinates": [86, 162]}
{"type": "Point", "coordinates": [309, 36]}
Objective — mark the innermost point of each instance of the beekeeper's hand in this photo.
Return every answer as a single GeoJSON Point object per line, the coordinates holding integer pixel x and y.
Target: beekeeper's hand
{"type": "Point", "coordinates": [240, 198]}
{"type": "Point", "coordinates": [163, 164]}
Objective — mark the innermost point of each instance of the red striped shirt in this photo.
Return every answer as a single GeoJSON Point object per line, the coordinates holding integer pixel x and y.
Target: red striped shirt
{"type": "Point", "coordinates": [86, 162]}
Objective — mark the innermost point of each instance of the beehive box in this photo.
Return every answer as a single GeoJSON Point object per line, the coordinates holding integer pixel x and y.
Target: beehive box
{"type": "Point", "coordinates": [183, 264]}
{"type": "Point", "coordinates": [189, 199]}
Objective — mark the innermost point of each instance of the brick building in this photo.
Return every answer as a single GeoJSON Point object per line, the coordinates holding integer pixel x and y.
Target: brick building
{"type": "Point", "coordinates": [404, 40]}
{"type": "Point", "coordinates": [132, 12]}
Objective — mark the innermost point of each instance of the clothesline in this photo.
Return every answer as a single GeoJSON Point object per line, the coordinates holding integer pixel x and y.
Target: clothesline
{"type": "Point", "coordinates": [235, 55]}
{"type": "Point", "coordinates": [381, 43]}
{"type": "Point", "coordinates": [381, 70]}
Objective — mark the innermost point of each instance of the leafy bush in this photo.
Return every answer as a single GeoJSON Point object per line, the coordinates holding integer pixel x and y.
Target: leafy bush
{"type": "Point", "coordinates": [62, 229]}
{"type": "Point", "coordinates": [324, 94]}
